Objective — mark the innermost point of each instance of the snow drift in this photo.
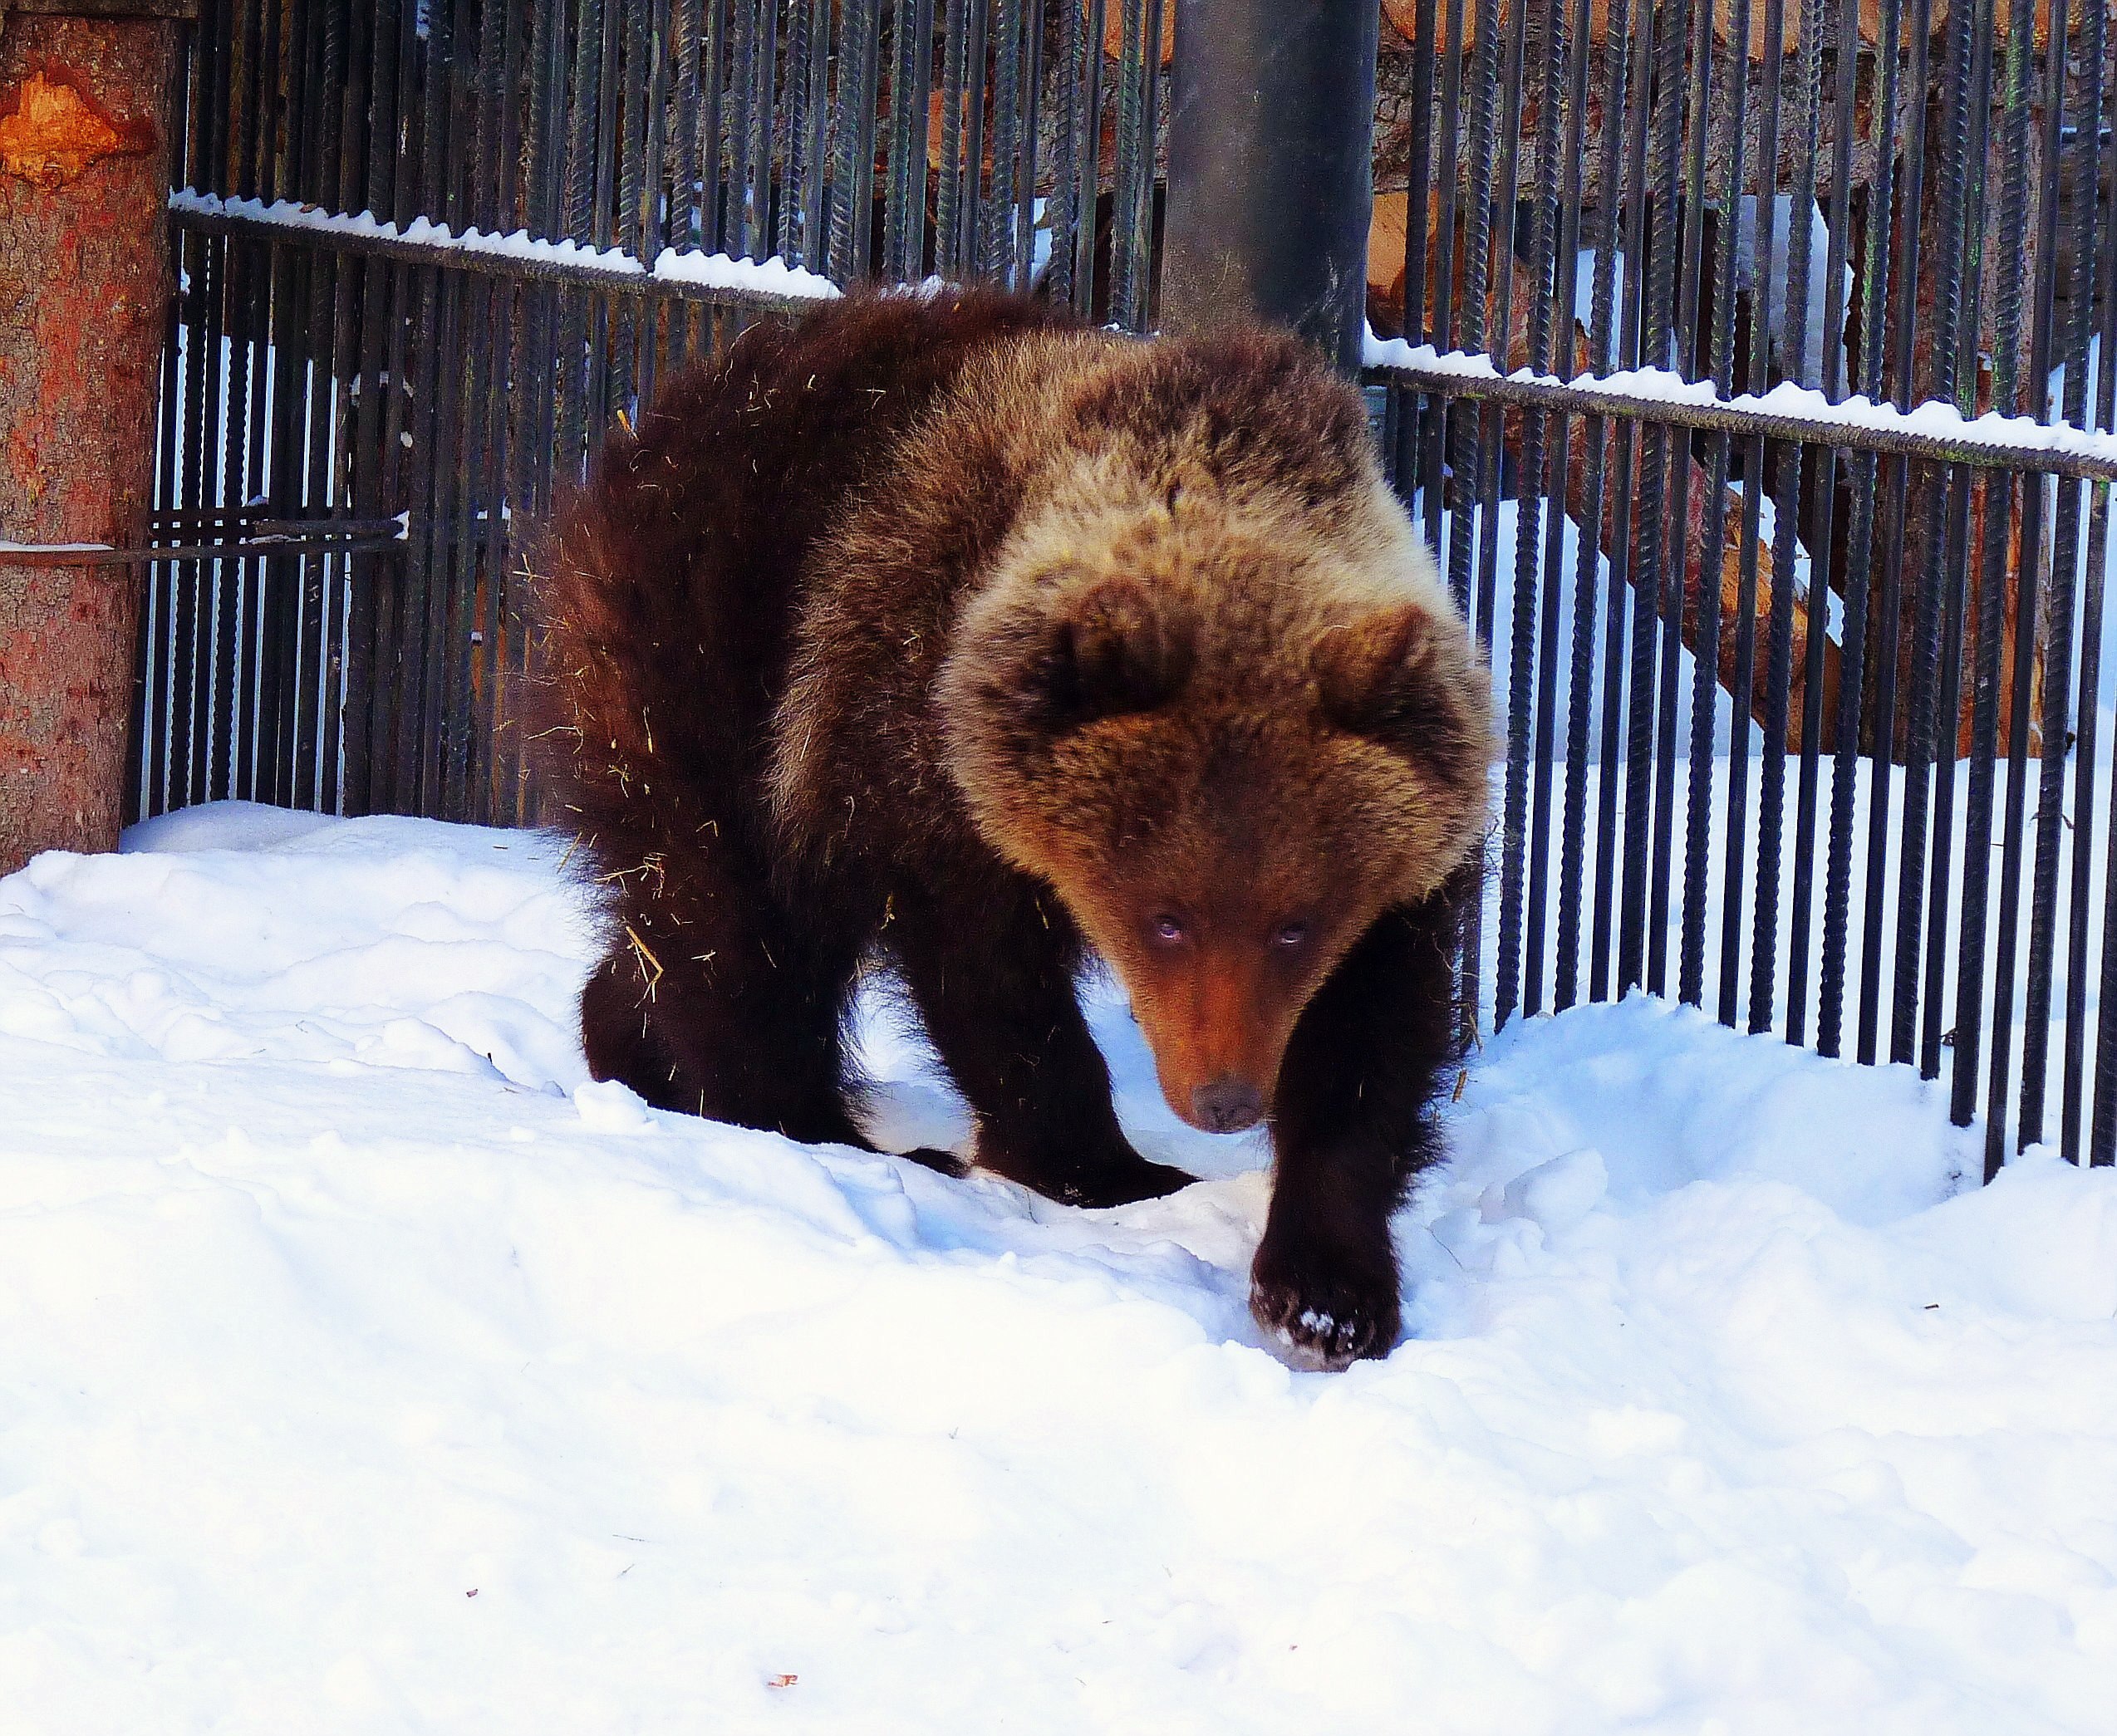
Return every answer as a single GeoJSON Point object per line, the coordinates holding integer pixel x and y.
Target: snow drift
{"type": "Point", "coordinates": [364, 1368]}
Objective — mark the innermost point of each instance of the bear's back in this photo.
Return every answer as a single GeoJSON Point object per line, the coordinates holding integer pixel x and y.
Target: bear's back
{"type": "Point", "coordinates": [669, 596]}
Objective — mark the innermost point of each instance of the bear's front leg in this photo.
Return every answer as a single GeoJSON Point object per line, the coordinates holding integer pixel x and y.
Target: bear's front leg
{"type": "Point", "coordinates": [993, 977]}
{"type": "Point", "coordinates": [1351, 1124]}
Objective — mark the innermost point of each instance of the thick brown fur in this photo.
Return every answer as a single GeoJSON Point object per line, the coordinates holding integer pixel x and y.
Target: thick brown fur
{"type": "Point", "coordinates": [946, 630]}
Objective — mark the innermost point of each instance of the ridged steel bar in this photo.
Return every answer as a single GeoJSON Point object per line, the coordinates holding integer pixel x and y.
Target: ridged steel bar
{"type": "Point", "coordinates": [1845, 720]}
{"type": "Point", "coordinates": [1888, 559]}
{"type": "Point", "coordinates": [605, 373]}
{"type": "Point", "coordinates": [434, 345]}
{"type": "Point", "coordinates": [1736, 863]}
{"type": "Point", "coordinates": [1987, 565]}
{"type": "Point", "coordinates": [1955, 314]}
{"type": "Point", "coordinates": [996, 240]}
{"type": "Point", "coordinates": [1086, 197]}
{"type": "Point", "coordinates": [1026, 171]}
{"type": "Point", "coordinates": [1920, 773]}
{"type": "Point", "coordinates": [1786, 461]}
{"type": "Point", "coordinates": [790, 128]}
{"type": "Point", "coordinates": [910, 195]}
{"type": "Point", "coordinates": [1631, 556]}
{"type": "Point", "coordinates": [1135, 166]}
{"type": "Point", "coordinates": [648, 200]}
{"type": "Point", "coordinates": [1701, 276]}
{"type": "Point", "coordinates": [764, 110]}
{"type": "Point", "coordinates": [1551, 335]}
{"type": "Point", "coordinates": [817, 141]}
{"type": "Point", "coordinates": [2014, 375]}
{"type": "Point", "coordinates": [906, 134]}
{"type": "Point", "coordinates": [1475, 429]}
{"type": "Point", "coordinates": [1665, 492]}
{"type": "Point", "coordinates": [977, 147]}
{"type": "Point", "coordinates": [364, 434]}
{"type": "Point", "coordinates": [154, 748]}
{"type": "Point", "coordinates": [2095, 262]}
{"type": "Point", "coordinates": [1500, 342]}
{"type": "Point", "coordinates": [1521, 649]}
{"type": "Point", "coordinates": [1603, 323]}
{"type": "Point", "coordinates": [1573, 866]}
{"type": "Point", "coordinates": [2056, 716]}
{"type": "Point", "coordinates": [1413, 433]}
{"type": "Point", "coordinates": [1819, 483]}
{"type": "Point", "coordinates": [949, 192]}
{"type": "Point", "coordinates": [853, 170]}
{"type": "Point", "coordinates": [713, 133]}
{"type": "Point", "coordinates": [1063, 211]}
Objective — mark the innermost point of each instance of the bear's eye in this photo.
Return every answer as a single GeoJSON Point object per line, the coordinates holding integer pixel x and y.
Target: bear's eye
{"type": "Point", "coordinates": [1290, 935]}
{"type": "Point", "coordinates": [1167, 930]}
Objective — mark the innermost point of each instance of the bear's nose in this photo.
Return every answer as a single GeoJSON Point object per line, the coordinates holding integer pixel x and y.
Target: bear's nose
{"type": "Point", "coordinates": [1227, 1106]}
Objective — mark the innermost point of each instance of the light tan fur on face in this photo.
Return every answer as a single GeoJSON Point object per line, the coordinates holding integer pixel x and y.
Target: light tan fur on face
{"type": "Point", "coordinates": [1270, 594]}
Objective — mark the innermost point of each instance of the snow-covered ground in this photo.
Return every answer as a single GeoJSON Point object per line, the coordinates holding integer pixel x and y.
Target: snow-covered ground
{"type": "Point", "coordinates": [364, 1369]}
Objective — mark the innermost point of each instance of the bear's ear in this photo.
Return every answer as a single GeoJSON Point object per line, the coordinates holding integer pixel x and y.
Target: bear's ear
{"type": "Point", "coordinates": [1368, 671]}
{"type": "Point", "coordinates": [1111, 648]}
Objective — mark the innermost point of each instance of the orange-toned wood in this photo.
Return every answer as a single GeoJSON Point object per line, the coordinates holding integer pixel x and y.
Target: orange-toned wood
{"type": "Point", "coordinates": [1402, 17]}
{"type": "Point", "coordinates": [84, 286]}
{"type": "Point", "coordinates": [1712, 536]}
{"type": "Point", "coordinates": [1113, 29]}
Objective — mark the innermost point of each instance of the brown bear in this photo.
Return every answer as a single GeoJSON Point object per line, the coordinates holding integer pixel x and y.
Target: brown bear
{"type": "Point", "coordinates": [942, 631]}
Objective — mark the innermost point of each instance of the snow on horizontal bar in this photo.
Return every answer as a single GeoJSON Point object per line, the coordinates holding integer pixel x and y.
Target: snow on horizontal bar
{"type": "Point", "coordinates": [771, 276]}
{"type": "Point", "coordinates": [1934, 425]}
{"type": "Point", "coordinates": [772, 279]}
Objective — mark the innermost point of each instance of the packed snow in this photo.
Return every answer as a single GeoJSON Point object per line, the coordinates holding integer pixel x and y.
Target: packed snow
{"type": "Point", "coordinates": [366, 1368]}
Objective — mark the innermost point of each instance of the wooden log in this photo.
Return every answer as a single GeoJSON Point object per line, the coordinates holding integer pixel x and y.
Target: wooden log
{"type": "Point", "coordinates": [1711, 539]}
{"type": "Point", "coordinates": [1113, 29]}
{"type": "Point", "coordinates": [1403, 15]}
{"type": "Point", "coordinates": [84, 287]}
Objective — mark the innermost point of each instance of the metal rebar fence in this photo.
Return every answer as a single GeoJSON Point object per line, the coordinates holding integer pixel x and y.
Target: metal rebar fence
{"type": "Point", "coordinates": [1805, 720]}
{"type": "Point", "coordinates": [429, 249]}
{"type": "Point", "coordinates": [1747, 363]}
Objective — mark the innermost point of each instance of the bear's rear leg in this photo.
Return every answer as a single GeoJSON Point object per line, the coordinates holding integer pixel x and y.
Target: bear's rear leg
{"type": "Point", "coordinates": [998, 1001]}
{"type": "Point", "coordinates": [744, 1029]}
{"type": "Point", "coordinates": [618, 1035]}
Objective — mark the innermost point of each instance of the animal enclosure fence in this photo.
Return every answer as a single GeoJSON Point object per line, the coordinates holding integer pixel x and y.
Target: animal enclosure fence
{"type": "Point", "coordinates": [1777, 710]}
{"type": "Point", "coordinates": [1695, 306]}
{"type": "Point", "coordinates": [427, 249]}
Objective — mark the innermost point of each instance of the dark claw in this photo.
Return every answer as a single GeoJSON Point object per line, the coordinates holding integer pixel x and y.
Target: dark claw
{"type": "Point", "coordinates": [1324, 1310]}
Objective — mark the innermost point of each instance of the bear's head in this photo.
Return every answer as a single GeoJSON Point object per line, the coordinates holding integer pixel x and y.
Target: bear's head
{"type": "Point", "coordinates": [1231, 727]}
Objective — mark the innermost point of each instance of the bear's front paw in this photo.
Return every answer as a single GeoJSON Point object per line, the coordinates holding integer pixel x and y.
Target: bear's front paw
{"type": "Point", "coordinates": [1324, 1307]}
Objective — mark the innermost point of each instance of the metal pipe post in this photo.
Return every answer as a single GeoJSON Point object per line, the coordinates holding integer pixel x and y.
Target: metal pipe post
{"type": "Point", "coordinates": [1270, 133]}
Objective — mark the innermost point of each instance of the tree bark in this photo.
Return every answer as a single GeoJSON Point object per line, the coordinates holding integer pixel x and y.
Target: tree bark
{"type": "Point", "coordinates": [84, 287]}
